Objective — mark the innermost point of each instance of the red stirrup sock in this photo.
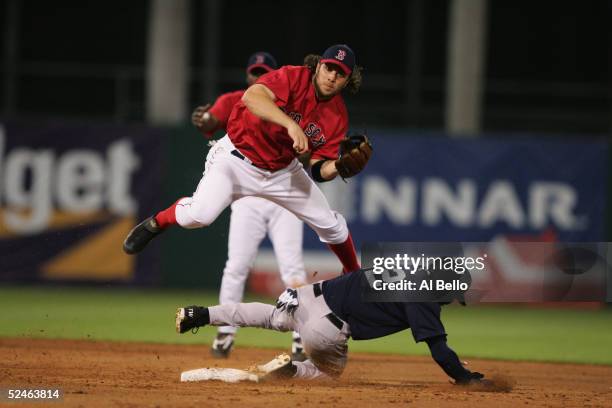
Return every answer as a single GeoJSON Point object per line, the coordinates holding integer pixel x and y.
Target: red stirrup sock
{"type": "Point", "coordinates": [346, 254]}
{"type": "Point", "coordinates": [167, 217]}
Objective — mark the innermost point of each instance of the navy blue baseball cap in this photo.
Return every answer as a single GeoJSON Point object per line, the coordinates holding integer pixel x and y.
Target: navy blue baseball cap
{"type": "Point", "coordinates": [263, 60]}
{"type": "Point", "coordinates": [341, 55]}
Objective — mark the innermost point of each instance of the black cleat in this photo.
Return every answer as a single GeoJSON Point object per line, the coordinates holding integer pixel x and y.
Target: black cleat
{"type": "Point", "coordinates": [140, 235]}
{"type": "Point", "coordinates": [191, 317]}
{"type": "Point", "coordinates": [222, 345]}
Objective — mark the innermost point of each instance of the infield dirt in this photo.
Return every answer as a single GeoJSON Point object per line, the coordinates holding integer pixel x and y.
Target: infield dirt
{"type": "Point", "coordinates": [105, 374]}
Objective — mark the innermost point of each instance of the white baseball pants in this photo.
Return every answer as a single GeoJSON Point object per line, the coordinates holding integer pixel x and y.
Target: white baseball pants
{"type": "Point", "coordinates": [227, 178]}
{"type": "Point", "coordinates": [252, 218]}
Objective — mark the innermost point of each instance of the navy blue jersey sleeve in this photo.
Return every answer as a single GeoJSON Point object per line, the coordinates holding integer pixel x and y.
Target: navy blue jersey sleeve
{"type": "Point", "coordinates": [424, 319]}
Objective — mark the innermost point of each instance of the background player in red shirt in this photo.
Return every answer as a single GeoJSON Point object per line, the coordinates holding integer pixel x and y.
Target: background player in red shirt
{"type": "Point", "coordinates": [288, 112]}
{"type": "Point", "coordinates": [209, 119]}
{"type": "Point", "coordinates": [252, 218]}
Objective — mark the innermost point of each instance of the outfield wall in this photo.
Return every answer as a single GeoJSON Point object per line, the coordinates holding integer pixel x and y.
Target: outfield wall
{"type": "Point", "coordinates": [70, 192]}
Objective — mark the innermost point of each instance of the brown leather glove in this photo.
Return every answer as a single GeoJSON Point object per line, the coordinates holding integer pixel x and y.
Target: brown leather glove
{"type": "Point", "coordinates": [355, 151]}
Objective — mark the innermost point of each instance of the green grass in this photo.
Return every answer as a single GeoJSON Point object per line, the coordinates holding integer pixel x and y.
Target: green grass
{"type": "Point", "coordinates": [497, 332]}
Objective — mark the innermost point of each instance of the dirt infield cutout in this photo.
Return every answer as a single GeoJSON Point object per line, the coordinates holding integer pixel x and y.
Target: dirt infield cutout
{"type": "Point", "coordinates": [102, 374]}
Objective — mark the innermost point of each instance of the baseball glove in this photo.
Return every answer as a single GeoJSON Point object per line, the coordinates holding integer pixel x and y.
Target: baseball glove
{"type": "Point", "coordinates": [355, 151]}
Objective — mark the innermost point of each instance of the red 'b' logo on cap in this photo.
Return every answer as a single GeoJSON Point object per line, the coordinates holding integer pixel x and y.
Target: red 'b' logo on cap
{"type": "Point", "coordinates": [259, 59]}
{"type": "Point", "coordinates": [341, 54]}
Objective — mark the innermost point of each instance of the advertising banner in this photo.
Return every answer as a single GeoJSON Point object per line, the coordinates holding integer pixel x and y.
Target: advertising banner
{"type": "Point", "coordinates": [429, 188]}
{"type": "Point", "coordinates": [441, 189]}
{"type": "Point", "coordinates": [69, 194]}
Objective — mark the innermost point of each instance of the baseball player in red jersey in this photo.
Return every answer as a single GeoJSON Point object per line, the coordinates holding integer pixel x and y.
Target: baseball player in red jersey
{"type": "Point", "coordinates": [288, 112]}
{"type": "Point", "coordinates": [210, 119]}
{"type": "Point", "coordinates": [256, 215]}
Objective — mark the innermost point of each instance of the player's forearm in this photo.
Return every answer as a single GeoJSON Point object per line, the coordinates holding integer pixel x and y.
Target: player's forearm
{"type": "Point", "coordinates": [446, 358]}
{"type": "Point", "coordinates": [259, 100]}
{"type": "Point", "coordinates": [328, 170]}
{"type": "Point", "coordinates": [323, 170]}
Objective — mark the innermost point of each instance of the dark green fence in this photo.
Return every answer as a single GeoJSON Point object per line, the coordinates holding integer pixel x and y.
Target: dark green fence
{"type": "Point", "coordinates": [190, 257]}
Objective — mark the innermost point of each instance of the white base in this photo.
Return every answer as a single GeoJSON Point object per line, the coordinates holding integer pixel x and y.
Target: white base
{"type": "Point", "coordinates": [230, 375]}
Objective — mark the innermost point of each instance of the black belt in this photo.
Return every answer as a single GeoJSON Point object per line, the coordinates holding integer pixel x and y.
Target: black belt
{"type": "Point", "coordinates": [335, 320]}
{"type": "Point", "coordinates": [237, 154]}
{"type": "Point", "coordinates": [242, 157]}
{"type": "Point", "coordinates": [318, 291]}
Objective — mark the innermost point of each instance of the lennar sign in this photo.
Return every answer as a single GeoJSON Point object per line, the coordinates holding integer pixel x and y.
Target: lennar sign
{"type": "Point", "coordinates": [464, 204]}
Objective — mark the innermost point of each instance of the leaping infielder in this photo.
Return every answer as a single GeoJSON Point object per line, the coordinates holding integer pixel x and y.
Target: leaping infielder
{"type": "Point", "coordinates": [287, 112]}
{"type": "Point", "coordinates": [252, 218]}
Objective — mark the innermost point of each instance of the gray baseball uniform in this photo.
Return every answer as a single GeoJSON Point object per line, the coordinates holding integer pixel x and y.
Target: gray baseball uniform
{"type": "Point", "coordinates": [324, 336]}
{"type": "Point", "coordinates": [327, 313]}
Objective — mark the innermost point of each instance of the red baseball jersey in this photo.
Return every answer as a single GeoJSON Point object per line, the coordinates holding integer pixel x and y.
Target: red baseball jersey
{"type": "Point", "coordinates": [222, 109]}
{"type": "Point", "coordinates": [268, 145]}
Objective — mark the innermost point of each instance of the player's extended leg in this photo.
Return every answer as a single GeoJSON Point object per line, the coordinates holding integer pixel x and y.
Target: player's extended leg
{"type": "Point", "coordinates": [324, 335]}
{"type": "Point", "coordinates": [242, 250]}
{"type": "Point", "coordinates": [286, 232]}
{"type": "Point", "coordinates": [251, 315]}
{"type": "Point", "coordinates": [226, 178]}
{"type": "Point", "coordinates": [300, 195]}
{"type": "Point", "coordinates": [237, 314]}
